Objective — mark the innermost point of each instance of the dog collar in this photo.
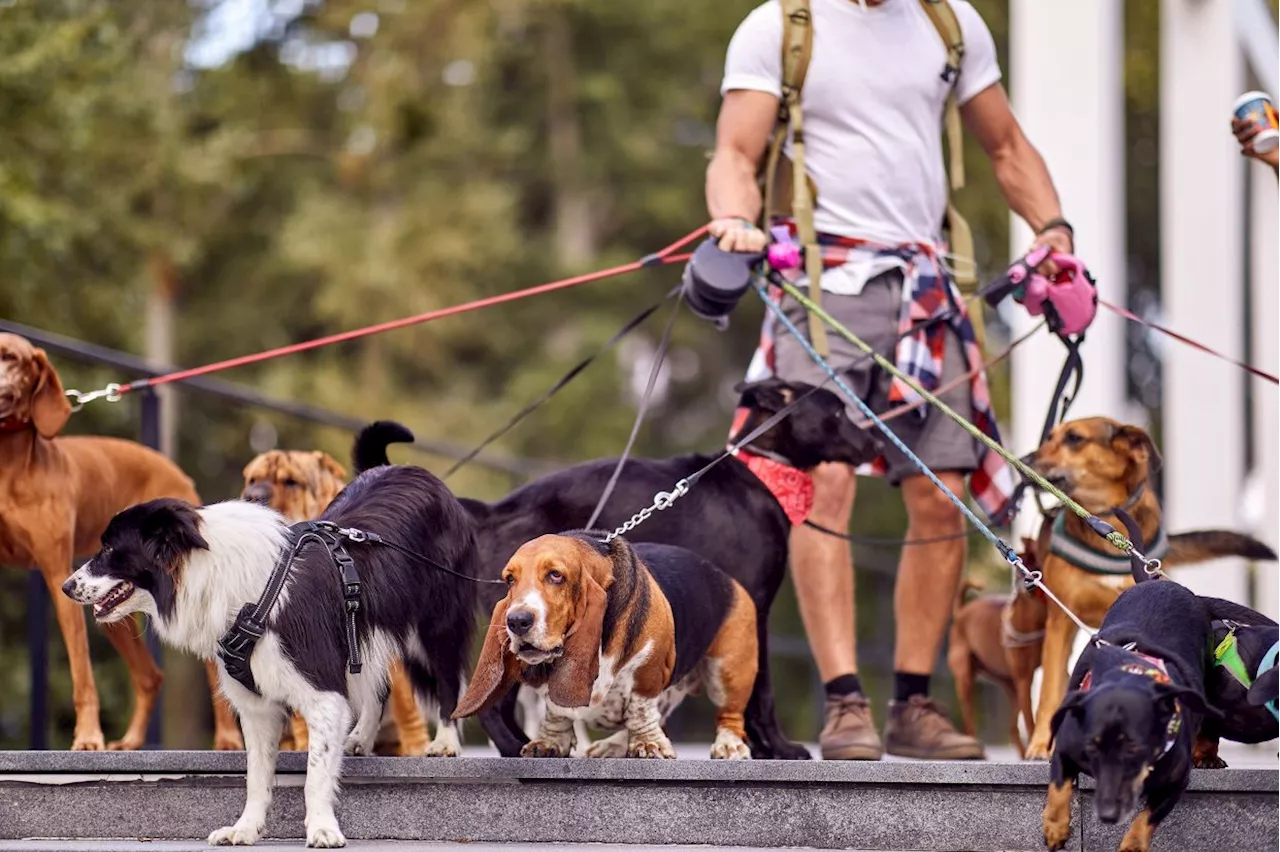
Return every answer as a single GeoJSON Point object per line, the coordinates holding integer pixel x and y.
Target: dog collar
{"type": "Point", "coordinates": [790, 486]}
{"type": "Point", "coordinates": [1154, 668]}
{"type": "Point", "coordinates": [1062, 545]}
{"type": "Point", "coordinates": [14, 424]}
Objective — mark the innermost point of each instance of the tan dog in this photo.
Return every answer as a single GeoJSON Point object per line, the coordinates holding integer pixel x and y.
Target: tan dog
{"type": "Point", "coordinates": [616, 636]}
{"type": "Point", "coordinates": [1104, 465]}
{"type": "Point", "coordinates": [56, 497]}
{"type": "Point", "coordinates": [300, 485]}
{"type": "Point", "coordinates": [998, 637]}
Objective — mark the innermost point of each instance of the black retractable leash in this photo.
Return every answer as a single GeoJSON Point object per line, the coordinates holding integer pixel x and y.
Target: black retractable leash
{"type": "Point", "coordinates": [236, 646]}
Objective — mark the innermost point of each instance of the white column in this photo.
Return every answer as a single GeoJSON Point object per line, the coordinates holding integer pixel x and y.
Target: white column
{"type": "Point", "coordinates": [1073, 112]}
{"type": "Point", "coordinates": [1201, 179]}
{"type": "Point", "coordinates": [1264, 226]}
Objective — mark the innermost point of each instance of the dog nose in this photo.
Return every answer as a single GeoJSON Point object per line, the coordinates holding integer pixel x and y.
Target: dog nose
{"type": "Point", "coordinates": [1109, 812]}
{"type": "Point", "coordinates": [69, 587]}
{"type": "Point", "coordinates": [520, 622]}
{"type": "Point", "coordinates": [259, 492]}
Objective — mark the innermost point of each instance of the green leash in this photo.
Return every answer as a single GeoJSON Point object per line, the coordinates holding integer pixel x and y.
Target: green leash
{"type": "Point", "coordinates": [1117, 539]}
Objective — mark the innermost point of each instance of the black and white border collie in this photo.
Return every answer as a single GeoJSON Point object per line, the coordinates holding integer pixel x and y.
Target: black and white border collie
{"type": "Point", "coordinates": [192, 569]}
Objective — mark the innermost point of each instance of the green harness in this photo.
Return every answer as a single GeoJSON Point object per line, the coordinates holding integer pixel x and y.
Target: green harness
{"type": "Point", "coordinates": [1227, 656]}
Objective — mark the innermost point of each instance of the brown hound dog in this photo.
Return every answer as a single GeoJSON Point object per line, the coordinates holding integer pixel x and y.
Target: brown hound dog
{"type": "Point", "coordinates": [998, 637]}
{"type": "Point", "coordinates": [616, 636]}
{"type": "Point", "coordinates": [300, 485]}
{"type": "Point", "coordinates": [56, 497]}
{"type": "Point", "coordinates": [1104, 466]}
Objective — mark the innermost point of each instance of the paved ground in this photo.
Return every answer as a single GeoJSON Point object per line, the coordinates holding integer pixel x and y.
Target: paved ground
{"type": "Point", "coordinates": [356, 846]}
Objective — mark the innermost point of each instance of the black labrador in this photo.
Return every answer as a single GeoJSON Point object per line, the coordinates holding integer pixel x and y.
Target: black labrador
{"type": "Point", "coordinates": [1136, 702]}
{"type": "Point", "coordinates": [729, 518]}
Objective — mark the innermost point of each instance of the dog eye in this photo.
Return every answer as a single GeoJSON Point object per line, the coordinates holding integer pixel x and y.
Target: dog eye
{"type": "Point", "coordinates": [291, 483]}
{"type": "Point", "coordinates": [555, 578]}
{"type": "Point", "coordinates": [509, 579]}
{"type": "Point", "coordinates": [8, 356]}
{"type": "Point", "coordinates": [1073, 439]}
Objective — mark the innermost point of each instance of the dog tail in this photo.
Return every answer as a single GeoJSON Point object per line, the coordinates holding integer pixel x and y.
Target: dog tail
{"type": "Point", "coordinates": [370, 448]}
{"type": "Point", "coordinates": [1202, 545]}
{"type": "Point", "coordinates": [966, 586]}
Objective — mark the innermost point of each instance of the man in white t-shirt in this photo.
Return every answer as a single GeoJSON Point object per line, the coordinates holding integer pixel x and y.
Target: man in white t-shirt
{"type": "Point", "coordinates": [873, 104]}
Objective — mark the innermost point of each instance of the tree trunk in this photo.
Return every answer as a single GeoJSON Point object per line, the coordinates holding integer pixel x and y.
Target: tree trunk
{"type": "Point", "coordinates": [574, 233]}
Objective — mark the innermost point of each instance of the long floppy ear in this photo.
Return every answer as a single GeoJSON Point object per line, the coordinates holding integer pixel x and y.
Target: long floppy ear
{"type": "Point", "coordinates": [1072, 703]}
{"type": "Point", "coordinates": [1141, 447]}
{"type": "Point", "coordinates": [575, 671]}
{"type": "Point", "coordinates": [49, 406]}
{"type": "Point", "coordinates": [767, 394]}
{"type": "Point", "coordinates": [1193, 698]}
{"type": "Point", "coordinates": [1265, 688]}
{"type": "Point", "coordinates": [496, 670]}
{"type": "Point", "coordinates": [328, 486]}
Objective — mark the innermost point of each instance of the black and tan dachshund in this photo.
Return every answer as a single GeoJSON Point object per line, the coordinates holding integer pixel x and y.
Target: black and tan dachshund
{"type": "Point", "coordinates": [1136, 702]}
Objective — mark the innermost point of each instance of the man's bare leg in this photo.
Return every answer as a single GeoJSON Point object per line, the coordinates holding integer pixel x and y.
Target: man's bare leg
{"type": "Point", "coordinates": [822, 570]}
{"type": "Point", "coordinates": [928, 576]}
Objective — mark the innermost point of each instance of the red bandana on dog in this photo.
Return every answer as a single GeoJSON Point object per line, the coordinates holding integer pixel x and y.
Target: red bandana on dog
{"type": "Point", "coordinates": [792, 488]}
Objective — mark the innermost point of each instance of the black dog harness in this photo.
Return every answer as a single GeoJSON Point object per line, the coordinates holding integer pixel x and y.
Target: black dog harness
{"type": "Point", "coordinates": [236, 645]}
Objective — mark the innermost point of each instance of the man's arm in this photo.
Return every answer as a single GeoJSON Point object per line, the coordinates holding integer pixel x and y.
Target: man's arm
{"type": "Point", "coordinates": [733, 197]}
{"type": "Point", "coordinates": [1019, 169]}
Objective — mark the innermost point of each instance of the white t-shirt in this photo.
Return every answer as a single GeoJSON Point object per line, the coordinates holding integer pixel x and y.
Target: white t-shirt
{"type": "Point", "coordinates": [873, 104]}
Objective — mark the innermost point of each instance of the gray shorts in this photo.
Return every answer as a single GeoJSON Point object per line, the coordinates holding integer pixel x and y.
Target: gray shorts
{"type": "Point", "coordinates": [872, 315]}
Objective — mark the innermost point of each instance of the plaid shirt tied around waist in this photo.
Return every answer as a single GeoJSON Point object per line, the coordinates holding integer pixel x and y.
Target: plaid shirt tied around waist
{"type": "Point", "coordinates": [927, 293]}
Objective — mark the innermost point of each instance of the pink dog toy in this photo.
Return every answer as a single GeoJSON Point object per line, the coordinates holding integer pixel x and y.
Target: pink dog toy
{"type": "Point", "coordinates": [783, 253]}
{"type": "Point", "coordinates": [1069, 300]}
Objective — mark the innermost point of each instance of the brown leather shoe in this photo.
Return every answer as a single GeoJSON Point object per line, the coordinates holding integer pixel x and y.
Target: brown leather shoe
{"type": "Point", "coordinates": [849, 732]}
{"type": "Point", "coordinates": [920, 728]}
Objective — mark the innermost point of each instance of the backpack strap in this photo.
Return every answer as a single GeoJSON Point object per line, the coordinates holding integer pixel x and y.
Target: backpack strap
{"type": "Point", "coordinates": [797, 47]}
{"type": "Point", "coordinates": [960, 236]}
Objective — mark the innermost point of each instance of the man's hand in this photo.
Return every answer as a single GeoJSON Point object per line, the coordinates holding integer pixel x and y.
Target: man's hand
{"type": "Point", "coordinates": [737, 234]}
{"type": "Point", "coordinates": [1245, 132]}
{"type": "Point", "coordinates": [1058, 238]}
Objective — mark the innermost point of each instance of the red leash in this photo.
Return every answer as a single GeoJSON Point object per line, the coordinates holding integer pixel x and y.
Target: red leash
{"type": "Point", "coordinates": [1187, 340]}
{"type": "Point", "coordinates": [658, 258]}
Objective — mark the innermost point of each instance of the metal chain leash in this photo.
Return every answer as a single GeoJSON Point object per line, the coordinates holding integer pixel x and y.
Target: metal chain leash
{"type": "Point", "coordinates": [661, 501]}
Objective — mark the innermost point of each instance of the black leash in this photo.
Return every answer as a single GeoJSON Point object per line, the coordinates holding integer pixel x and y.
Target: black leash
{"type": "Point", "coordinates": [236, 646]}
{"type": "Point", "coordinates": [559, 385]}
{"type": "Point", "coordinates": [872, 541]}
{"type": "Point", "coordinates": [641, 411]}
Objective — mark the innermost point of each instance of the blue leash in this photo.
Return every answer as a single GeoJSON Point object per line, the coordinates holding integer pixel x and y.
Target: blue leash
{"type": "Point", "coordinates": [1031, 578]}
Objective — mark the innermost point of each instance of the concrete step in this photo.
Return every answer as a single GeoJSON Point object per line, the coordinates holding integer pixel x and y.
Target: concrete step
{"type": "Point", "coordinates": [902, 805]}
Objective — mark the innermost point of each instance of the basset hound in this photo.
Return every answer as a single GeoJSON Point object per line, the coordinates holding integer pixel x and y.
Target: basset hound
{"type": "Point", "coordinates": [616, 635]}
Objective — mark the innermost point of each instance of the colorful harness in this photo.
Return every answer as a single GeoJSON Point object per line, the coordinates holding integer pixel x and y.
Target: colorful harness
{"type": "Point", "coordinates": [1227, 656]}
{"type": "Point", "coordinates": [1154, 668]}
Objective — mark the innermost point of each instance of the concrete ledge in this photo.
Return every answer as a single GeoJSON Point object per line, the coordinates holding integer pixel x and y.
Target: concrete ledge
{"type": "Point", "coordinates": [871, 806]}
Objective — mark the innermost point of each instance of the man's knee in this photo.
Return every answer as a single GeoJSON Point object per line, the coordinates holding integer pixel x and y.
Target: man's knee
{"type": "Point", "coordinates": [833, 489]}
{"type": "Point", "coordinates": [928, 508]}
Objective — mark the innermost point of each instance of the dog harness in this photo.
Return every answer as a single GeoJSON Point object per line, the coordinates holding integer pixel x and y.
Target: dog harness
{"type": "Point", "coordinates": [1154, 668]}
{"type": "Point", "coordinates": [1094, 561]}
{"type": "Point", "coordinates": [236, 646]}
{"type": "Point", "coordinates": [790, 486]}
{"type": "Point", "coordinates": [1227, 656]}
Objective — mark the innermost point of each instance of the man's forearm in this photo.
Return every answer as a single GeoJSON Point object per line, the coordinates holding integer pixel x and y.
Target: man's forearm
{"type": "Point", "coordinates": [731, 187]}
{"type": "Point", "coordinates": [1024, 180]}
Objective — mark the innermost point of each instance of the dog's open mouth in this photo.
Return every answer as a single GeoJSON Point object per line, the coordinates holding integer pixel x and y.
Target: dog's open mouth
{"type": "Point", "coordinates": [534, 656]}
{"type": "Point", "coordinates": [119, 593]}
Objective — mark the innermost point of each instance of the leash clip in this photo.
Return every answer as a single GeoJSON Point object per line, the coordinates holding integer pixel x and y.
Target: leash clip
{"type": "Point", "coordinates": [111, 393]}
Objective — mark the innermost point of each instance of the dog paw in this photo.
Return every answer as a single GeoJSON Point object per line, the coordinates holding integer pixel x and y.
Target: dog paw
{"type": "Point", "coordinates": [228, 742]}
{"type": "Point", "coordinates": [651, 750]}
{"type": "Point", "coordinates": [325, 837]}
{"type": "Point", "coordinates": [89, 742]}
{"type": "Point", "coordinates": [1056, 833]}
{"type": "Point", "coordinates": [1037, 749]}
{"type": "Point", "coordinates": [125, 744]}
{"type": "Point", "coordinates": [234, 835]}
{"type": "Point", "coordinates": [542, 748]}
{"type": "Point", "coordinates": [354, 747]}
{"type": "Point", "coordinates": [1210, 762]}
{"type": "Point", "coordinates": [729, 746]}
{"type": "Point", "coordinates": [612, 746]}
{"type": "Point", "coordinates": [445, 749]}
